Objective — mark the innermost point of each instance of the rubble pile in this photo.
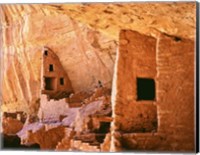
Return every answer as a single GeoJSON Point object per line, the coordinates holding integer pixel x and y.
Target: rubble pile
{"type": "Point", "coordinates": [11, 126]}
{"type": "Point", "coordinates": [91, 122]}
{"type": "Point", "coordinates": [81, 128]}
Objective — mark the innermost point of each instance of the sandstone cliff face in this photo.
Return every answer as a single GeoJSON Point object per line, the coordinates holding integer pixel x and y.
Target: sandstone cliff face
{"type": "Point", "coordinates": [109, 18]}
{"type": "Point", "coordinates": [86, 55]}
{"type": "Point", "coordinates": [86, 51]}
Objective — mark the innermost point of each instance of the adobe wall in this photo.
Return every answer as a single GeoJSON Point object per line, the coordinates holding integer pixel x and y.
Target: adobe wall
{"type": "Point", "coordinates": [136, 59]}
{"type": "Point", "coordinates": [51, 110]}
{"type": "Point", "coordinates": [175, 78]}
{"type": "Point", "coordinates": [170, 61]}
{"type": "Point", "coordinates": [58, 72]}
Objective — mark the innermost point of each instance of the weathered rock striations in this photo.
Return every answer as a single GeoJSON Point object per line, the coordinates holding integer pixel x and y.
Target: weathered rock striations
{"type": "Point", "coordinates": [84, 51]}
{"type": "Point", "coordinates": [173, 18]}
{"type": "Point", "coordinates": [86, 55]}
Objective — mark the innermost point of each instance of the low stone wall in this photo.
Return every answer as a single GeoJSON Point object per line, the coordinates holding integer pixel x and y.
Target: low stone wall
{"type": "Point", "coordinates": [51, 110]}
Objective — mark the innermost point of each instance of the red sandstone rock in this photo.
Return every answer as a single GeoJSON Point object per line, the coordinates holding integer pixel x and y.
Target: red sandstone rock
{"type": "Point", "coordinates": [65, 144]}
{"type": "Point", "coordinates": [47, 136]}
{"type": "Point", "coordinates": [78, 97]}
{"type": "Point", "coordinates": [11, 126]}
{"type": "Point", "coordinates": [105, 146]}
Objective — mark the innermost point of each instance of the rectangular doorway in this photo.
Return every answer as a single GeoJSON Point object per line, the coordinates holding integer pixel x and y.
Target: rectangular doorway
{"type": "Point", "coordinates": [50, 83]}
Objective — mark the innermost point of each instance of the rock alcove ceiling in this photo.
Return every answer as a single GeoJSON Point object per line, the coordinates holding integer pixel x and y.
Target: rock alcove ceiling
{"type": "Point", "coordinates": [85, 37]}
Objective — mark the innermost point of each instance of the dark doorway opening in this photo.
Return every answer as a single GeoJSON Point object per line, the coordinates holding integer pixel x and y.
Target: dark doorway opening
{"type": "Point", "coordinates": [50, 83]}
{"type": "Point", "coordinates": [145, 89]}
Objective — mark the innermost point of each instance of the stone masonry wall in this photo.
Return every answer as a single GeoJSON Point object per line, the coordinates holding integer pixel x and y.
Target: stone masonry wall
{"type": "Point", "coordinates": [50, 58]}
{"type": "Point", "coordinates": [175, 78]}
{"type": "Point", "coordinates": [51, 110]}
{"type": "Point", "coordinates": [136, 59]}
{"type": "Point", "coordinates": [172, 67]}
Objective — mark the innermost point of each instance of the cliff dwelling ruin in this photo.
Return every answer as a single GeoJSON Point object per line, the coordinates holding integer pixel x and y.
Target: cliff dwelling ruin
{"type": "Point", "coordinates": [55, 81]}
{"type": "Point", "coordinates": [107, 77]}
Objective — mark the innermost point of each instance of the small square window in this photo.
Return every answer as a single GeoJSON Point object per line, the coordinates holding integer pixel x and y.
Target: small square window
{"type": "Point", "coordinates": [45, 52]}
{"type": "Point", "coordinates": [51, 68]}
{"type": "Point", "coordinates": [145, 89]}
{"type": "Point", "coordinates": [61, 81]}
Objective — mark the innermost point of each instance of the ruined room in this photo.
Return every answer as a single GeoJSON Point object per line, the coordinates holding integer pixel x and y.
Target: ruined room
{"type": "Point", "coordinates": [98, 77]}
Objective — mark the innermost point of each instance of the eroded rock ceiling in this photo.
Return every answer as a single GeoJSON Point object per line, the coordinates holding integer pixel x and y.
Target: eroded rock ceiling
{"type": "Point", "coordinates": [171, 18]}
{"type": "Point", "coordinates": [84, 36]}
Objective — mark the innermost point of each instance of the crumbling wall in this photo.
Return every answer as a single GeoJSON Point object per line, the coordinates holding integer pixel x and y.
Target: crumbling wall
{"type": "Point", "coordinates": [52, 110]}
{"type": "Point", "coordinates": [47, 135]}
{"type": "Point", "coordinates": [10, 125]}
{"type": "Point", "coordinates": [170, 62]}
